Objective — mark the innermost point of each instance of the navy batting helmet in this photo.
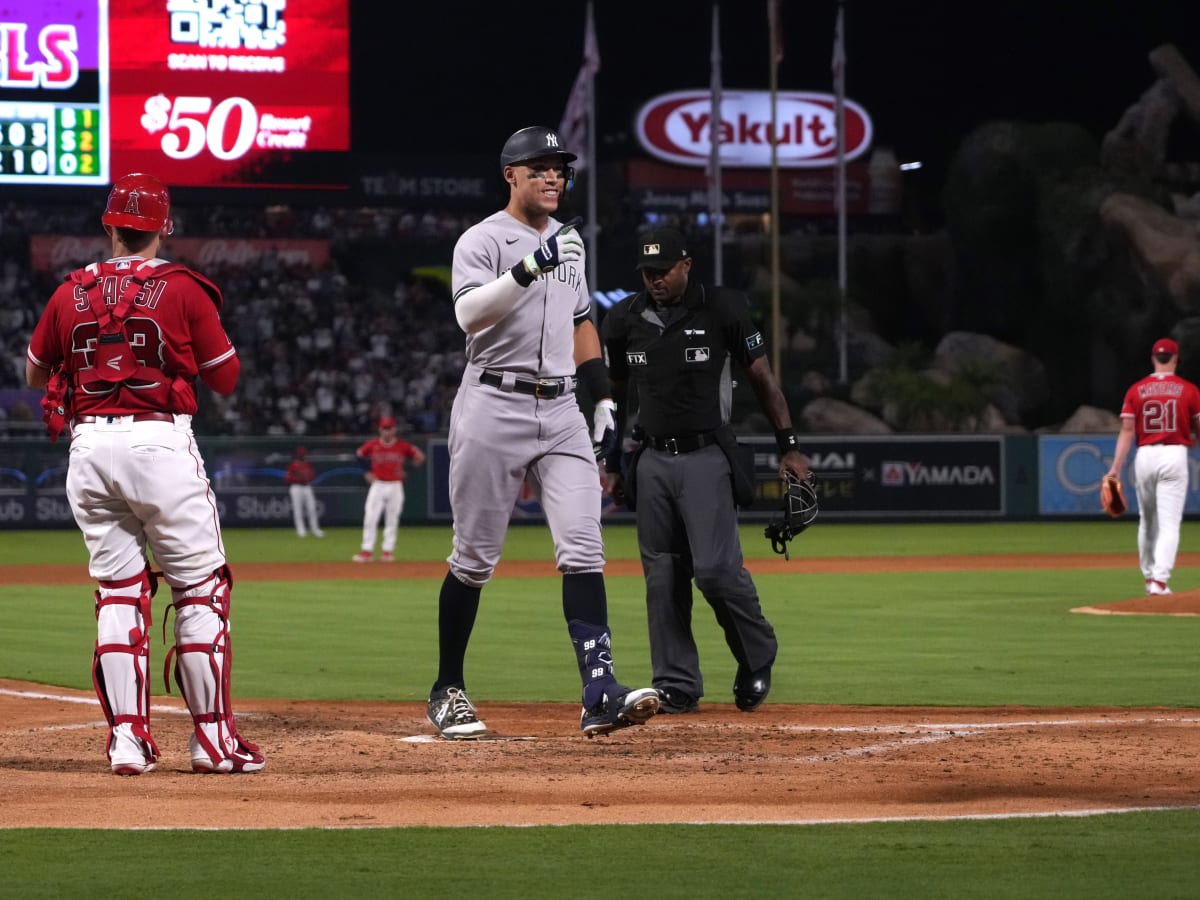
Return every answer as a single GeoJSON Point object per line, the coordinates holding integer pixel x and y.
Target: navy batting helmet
{"type": "Point", "coordinates": [531, 143]}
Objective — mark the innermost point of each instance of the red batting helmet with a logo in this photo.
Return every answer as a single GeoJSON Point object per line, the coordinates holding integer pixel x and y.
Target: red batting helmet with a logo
{"type": "Point", "coordinates": [140, 202]}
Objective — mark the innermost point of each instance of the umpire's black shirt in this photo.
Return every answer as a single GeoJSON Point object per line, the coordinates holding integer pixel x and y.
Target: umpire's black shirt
{"type": "Point", "coordinates": [676, 357]}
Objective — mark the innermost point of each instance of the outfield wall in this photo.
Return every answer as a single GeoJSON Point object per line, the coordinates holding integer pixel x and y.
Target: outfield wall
{"type": "Point", "coordinates": [861, 478]}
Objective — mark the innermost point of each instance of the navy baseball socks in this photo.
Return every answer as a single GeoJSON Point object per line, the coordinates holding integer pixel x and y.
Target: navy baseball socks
{"type": "Point", "coordinates": [449, 710]}
{"type": "Point", "coordinates": [607, 704]}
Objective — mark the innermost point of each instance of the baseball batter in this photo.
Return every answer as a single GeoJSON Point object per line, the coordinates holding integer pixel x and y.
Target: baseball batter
{"type": "Point", "coordinates": [1161, 414]}
{"type": "Point", "coordinates": [386, 456]}
{"type": "Point", "coordinates": [118, 349]}
{"type": "Point", "coordinates": [299, 477]}
{"type": "Point", "coordinates": [522, 299]}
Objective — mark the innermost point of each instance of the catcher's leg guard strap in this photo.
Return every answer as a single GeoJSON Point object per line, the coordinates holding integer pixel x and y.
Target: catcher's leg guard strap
{"type": "Point", "coordinates": [593, 649]}
{"type": "Point", "coordinates": [120, 665]}
{"type": "Point", "coordinates": [203, 659]}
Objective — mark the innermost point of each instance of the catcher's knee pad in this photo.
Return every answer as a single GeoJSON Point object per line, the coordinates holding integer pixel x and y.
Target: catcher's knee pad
{"type": "Point", "coordinates": [203, 658]}
{"type": "Point", "coordinates": [120, 665]}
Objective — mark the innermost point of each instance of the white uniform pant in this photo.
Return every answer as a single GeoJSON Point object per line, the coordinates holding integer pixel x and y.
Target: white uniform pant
{"type": "Point", "coordinates": [132, 483]}
{"type": "Point", "coordinates": [304, 509]}
{"type": "Point", "coordinates": [386, 499]}
{"type": "Point", "coordinates": [1162, 482]}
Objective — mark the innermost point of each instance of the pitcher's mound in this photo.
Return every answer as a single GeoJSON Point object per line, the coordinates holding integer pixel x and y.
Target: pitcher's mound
{"type": "Point", "coordinates": [1184, 603]}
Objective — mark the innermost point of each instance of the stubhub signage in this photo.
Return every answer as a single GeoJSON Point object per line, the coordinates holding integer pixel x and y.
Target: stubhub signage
{"type": "Point", "coordinates": [676, 127]}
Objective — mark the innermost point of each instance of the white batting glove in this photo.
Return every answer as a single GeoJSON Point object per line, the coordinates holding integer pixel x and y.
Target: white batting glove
{"type": "Point", "coordinates": [604, 427]}
{"type": "Point", "coordinates": [565, 245]}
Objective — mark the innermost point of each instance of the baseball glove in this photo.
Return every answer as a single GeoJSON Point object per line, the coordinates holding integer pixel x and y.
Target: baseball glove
{"type": "Point", "coordinates": [1112, 496]}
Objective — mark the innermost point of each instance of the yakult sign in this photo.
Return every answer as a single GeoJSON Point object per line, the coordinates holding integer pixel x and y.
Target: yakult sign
{"type": "Point", "coordinates": [675, 127]}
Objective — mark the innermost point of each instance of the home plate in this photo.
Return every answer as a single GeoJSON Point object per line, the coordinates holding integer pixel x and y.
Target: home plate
{"type": "Point", "coordinates": [487, 738]}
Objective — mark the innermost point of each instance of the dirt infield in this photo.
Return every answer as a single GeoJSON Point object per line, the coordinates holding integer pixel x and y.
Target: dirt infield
{"type": "Point", "coordinates": [350, 764]}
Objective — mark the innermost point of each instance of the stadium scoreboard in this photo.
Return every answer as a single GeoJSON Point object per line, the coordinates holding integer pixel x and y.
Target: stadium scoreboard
{"type": "Point", "coordinates": [236, 93]}
{"type": "Point", "coordinates": [51, 143]}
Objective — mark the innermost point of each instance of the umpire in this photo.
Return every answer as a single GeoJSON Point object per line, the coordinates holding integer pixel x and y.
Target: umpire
{"type": "Point", "coordinates": [669, 349]}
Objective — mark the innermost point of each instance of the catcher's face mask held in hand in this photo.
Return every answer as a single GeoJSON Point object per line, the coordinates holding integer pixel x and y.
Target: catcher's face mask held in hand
{"type": "Point", "coordinates": [799, 511]}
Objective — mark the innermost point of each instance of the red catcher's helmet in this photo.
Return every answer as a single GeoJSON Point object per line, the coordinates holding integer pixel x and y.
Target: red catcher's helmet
{"type": "Point", "coordinates": [140, 202]}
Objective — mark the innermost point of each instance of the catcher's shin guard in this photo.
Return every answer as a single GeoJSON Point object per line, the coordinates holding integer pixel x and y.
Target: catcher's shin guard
{"type": "Point", "coordinates": [120, 671]}
{"type": "Point", "coordinates": [593, 650]}
{"type": "Point", "coordinates": [203, 658]}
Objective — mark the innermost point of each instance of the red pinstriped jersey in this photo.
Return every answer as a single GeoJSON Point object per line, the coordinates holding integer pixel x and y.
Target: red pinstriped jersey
{"type": "Point", "coordinates": [1164, 409]}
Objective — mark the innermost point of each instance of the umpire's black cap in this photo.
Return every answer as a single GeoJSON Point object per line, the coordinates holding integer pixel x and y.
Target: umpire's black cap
{"type": "Point", "coordinates": [531, 143]}
{"type": "Point", "coordinates": [661, 248]}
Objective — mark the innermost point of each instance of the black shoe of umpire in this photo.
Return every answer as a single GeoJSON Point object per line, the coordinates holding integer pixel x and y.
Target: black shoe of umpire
{"type": "Point", "coordinates": [674, 701]}
{"type": "Point", "coordinates": [750, 689]}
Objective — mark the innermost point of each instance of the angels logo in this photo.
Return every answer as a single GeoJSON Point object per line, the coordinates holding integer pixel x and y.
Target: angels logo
{"type": "Point", "coordinates": [131, 204]}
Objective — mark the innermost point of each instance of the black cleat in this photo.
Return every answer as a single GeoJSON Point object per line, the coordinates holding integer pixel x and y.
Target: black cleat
{"type": "Point", "coordinates": [674, 701]}
{"type": "Point", "coordinates": [750, 689]}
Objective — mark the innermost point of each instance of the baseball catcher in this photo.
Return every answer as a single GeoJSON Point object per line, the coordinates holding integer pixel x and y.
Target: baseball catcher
{"type": "Point", "coordinates": [1112, 496]}
{"type": "Point", "coordinates": [799, 511]}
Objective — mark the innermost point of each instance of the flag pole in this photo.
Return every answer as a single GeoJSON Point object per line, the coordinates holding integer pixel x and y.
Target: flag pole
{"type": "Point", "coordinates": [715, 196]}
{"type": "Point", "coordinates": [593, 229]}
{"type": "Point", "coordinates": [580, 116]}
{"type": "Point", "coordinates": [776, 318]}
{"type": "Point", "coordinates": [839, 85]}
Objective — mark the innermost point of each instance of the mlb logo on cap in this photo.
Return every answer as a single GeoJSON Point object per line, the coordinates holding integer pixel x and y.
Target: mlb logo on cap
{"type": "Point", "coordinates": [1165, 345]}
{"type": "Point", "coordinates": [661, 248]}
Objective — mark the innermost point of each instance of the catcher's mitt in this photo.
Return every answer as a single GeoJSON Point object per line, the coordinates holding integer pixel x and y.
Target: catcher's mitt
{"type": "Point", "coordinates": [799, 511]}
{"type": "Point", "coordinates": [1112, 496]}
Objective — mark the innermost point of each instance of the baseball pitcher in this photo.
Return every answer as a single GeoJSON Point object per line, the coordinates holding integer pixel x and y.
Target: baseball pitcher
{"type": "Point", "coordinates": [1161, 414]}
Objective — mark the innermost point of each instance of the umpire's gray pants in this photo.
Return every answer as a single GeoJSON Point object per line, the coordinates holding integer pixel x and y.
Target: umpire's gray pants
{"type": "Point", "coordinates": [687, 528]}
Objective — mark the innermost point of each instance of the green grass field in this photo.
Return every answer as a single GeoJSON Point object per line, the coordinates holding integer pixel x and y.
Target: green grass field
{"type": "Point", "coordinates": [960, 638]}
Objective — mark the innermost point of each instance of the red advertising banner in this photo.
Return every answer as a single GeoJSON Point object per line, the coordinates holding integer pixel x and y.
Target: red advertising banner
{"type": "Point", "coordinates": [230, 94]}
{"type": "Point", "coordinates": [236, 93]}
{"type": "Point", "coordinates": [56, 254]}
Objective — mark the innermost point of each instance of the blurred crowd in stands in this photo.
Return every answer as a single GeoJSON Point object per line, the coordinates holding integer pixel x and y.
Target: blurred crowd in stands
{"type": "Point", "coordinates": [324, 351]}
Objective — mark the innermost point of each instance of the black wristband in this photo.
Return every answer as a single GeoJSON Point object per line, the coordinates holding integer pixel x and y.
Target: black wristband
{"type": "Point", "coordinates": [521, 275]}
{"type": "Point", "coordinates": [593, 375]}
{"type": "Point", "coordinates": [787, 440]}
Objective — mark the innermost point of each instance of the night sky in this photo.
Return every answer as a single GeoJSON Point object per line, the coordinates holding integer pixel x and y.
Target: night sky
{"type": "Point", "coordinates": [458, 78]}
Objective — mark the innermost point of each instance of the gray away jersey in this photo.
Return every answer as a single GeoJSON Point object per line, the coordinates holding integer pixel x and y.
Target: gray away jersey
{"type": "Point", "coordinates": [537, 336]}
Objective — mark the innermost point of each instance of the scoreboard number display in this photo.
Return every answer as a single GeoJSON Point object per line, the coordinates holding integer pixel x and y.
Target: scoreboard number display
{"type": "Point", "coordinates": [237, 93]}
{"type": "Point", "coordinates": [53, 93]}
